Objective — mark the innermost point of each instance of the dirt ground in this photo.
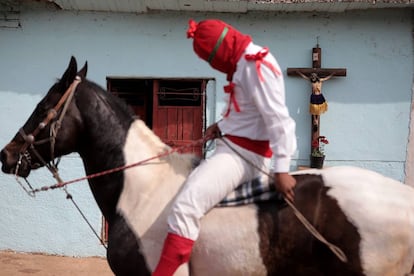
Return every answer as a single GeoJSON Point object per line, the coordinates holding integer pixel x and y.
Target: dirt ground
{"type": "Point", "coordinates": [24, 264]}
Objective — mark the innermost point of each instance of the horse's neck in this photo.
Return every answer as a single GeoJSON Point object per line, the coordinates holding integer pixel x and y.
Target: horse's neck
{"type": "Point", "coordinates": [105, 124]}
{"type": "Point", "coordinates": [149, 188]}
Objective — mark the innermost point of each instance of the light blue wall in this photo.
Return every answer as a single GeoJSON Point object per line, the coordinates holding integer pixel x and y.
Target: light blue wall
{"type": "Point", "coordinates": [367, 122]}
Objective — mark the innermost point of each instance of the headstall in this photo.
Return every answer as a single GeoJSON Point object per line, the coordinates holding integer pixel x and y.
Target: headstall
{"type": "Point", "coordinates": [30, 139]}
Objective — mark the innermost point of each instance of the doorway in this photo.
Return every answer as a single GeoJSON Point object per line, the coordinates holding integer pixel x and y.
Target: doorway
{"type": "Point", "coordinates": [173, 108]}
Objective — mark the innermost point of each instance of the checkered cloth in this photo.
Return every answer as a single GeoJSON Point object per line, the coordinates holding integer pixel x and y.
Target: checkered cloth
{"type": "Point", "coordinates": [253, 191]}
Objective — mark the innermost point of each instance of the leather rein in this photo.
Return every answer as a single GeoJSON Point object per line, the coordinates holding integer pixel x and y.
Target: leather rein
{"type": "Point", "coordinates": [52, 165]}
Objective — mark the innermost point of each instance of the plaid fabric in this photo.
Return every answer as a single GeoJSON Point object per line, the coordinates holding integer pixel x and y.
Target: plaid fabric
{"type": "Point", "coordinates": [253, 191]}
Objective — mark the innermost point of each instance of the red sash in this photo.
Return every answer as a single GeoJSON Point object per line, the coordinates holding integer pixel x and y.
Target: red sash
{"type": "Point", "coordinates": [257, 146]}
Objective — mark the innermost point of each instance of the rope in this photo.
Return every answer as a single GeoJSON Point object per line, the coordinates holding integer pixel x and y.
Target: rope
{"type": "Point", "coordinates": [56, 175]}
{"type": "Point", "coordinates": [169, 151]}
{"type": "Point", "coordinates": [335, 249]}
{"type": "Point", "coordinates": [61, 184]}
{"type": "Point", "coordinates": [70, 197]}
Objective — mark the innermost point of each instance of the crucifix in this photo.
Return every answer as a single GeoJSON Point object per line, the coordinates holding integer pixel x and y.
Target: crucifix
{"type": "Point", "coordinates": [316, 75]}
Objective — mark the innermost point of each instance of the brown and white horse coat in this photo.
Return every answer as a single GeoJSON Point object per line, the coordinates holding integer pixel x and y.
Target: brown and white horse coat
{"type": "Point", "coordinates": [369, 216]}
{"type": "Point", "coordinates": [351, 194]}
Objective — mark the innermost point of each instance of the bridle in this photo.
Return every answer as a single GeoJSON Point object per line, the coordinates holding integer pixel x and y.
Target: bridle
{"type": "Point", "coordinates": [30, 143]}
{"type": "Point", "coordinates": [30, 139]}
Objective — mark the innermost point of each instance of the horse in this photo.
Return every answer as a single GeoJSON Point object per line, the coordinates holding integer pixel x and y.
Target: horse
{"type": "Point", "coordinates": [368, 216]}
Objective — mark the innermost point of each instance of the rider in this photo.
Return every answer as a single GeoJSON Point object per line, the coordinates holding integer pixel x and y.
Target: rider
{"type": "Point", "coordinates": [256, 123]}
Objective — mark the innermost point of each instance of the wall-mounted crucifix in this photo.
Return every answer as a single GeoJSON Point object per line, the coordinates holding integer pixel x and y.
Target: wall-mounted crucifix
{"type": "Point", "coordinates": [316, 75]}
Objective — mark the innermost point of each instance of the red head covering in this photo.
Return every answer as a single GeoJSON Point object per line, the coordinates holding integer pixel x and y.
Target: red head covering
{"type": "Point", "coordinates": [218, 43]}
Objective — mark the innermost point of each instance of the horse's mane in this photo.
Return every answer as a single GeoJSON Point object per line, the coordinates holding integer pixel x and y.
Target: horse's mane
{"type": "Point", "coordinates": [187, 161]}
{"type": "Point", "coordinates": [179, 161]}
{"type": "Point", "coordinates": [115, 103]}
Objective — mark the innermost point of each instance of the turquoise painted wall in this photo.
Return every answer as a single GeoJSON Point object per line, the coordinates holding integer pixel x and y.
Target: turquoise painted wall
{"type": "Point", "coordinates": [367, 122]}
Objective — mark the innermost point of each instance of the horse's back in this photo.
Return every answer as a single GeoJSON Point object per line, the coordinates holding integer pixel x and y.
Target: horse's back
{"type": "Point", "coordinates": [369, 216]}
{"type": "Point", "coordinates": [382, 209]}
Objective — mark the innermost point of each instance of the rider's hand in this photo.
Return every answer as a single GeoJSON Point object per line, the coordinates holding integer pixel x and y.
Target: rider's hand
{"type": "Point", "coordinates": [285, 183]}
{"type": "Point", "coordinates": [213, 131]}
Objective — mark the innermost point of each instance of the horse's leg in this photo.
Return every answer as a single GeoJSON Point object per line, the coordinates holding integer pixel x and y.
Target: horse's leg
{"type": "Point", "coordinates": [124, 254]}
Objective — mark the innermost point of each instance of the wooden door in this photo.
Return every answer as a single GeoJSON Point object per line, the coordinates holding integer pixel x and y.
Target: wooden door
{"type": "Point", "coordinates": [178, 113]}
{"type": "Point", "coordinates": [137, 93]}
{"type": "Point", "coordinates": [173, 108]}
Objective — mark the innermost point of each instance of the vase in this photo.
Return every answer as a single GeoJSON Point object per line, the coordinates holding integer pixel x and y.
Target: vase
{"type": "Point", "coordinates": [317, 161]}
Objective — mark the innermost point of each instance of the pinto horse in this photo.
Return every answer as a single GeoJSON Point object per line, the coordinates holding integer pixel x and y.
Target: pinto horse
{"type": "Point", "coordinates": [369, 216]}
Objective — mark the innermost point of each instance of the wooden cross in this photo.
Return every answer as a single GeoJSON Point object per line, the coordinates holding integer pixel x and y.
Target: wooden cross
{"type": "Point", "coordinates": [321, 74]}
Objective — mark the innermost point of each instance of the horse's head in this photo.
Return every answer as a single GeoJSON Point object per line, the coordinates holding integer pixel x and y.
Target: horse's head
{"type": "Point", "coordinates": [50, 130]}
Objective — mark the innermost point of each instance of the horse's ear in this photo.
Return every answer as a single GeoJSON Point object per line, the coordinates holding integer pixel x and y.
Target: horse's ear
{"type": "Point", "coordinates": [70, 74]}
{"type": "Point", "coordinates": [83, 71]}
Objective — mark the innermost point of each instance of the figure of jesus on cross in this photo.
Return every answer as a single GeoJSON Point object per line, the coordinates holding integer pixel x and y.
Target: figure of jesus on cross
{"type": "Point", "coordinates": [318, 104]}
{"type": "Point", "coordinates": [316, 75]}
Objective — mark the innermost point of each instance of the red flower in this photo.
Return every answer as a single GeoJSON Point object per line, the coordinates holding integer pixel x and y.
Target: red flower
{"type": "Point", "coordinates": [318, 146]}
{"type": "Point", "coordinates": [323, 139]}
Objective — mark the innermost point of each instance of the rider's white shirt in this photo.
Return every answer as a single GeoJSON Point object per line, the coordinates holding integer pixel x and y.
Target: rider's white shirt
{"type": "Point", "coordinates": [263, 114]}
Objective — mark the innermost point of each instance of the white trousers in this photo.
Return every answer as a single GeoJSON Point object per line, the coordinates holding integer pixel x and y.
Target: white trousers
{"type": "Point", "coordinates": [209, 183]}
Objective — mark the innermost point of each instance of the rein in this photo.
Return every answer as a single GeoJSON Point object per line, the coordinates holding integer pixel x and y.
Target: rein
{"type": "Point", "coordinates": [335, 249]}
{"type": "Point", "coordinates": [61, 184]}
{"type": "Point", "coordinates": [165, 153]}
{"type": "Point", "coordinates": [52, 166]}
